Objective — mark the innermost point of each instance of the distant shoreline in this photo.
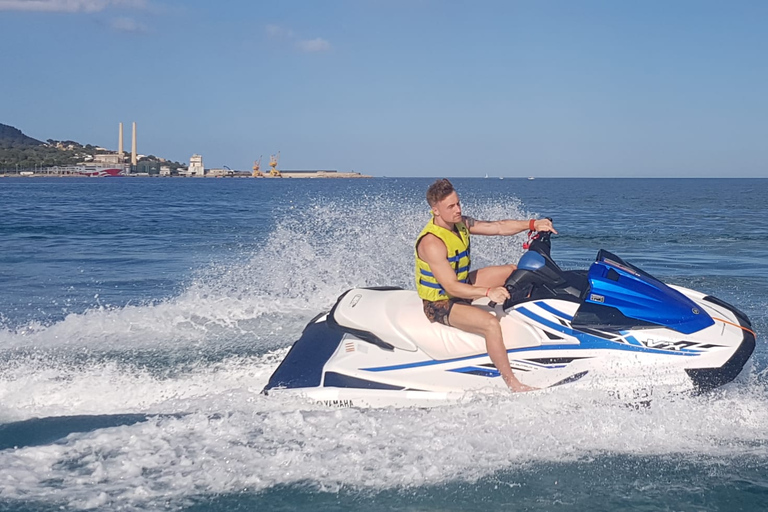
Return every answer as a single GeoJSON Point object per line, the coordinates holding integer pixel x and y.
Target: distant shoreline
{"type": "Point", "coordinates": [286, 175]}
{"type": "Point", "coordinates": [356, 176]}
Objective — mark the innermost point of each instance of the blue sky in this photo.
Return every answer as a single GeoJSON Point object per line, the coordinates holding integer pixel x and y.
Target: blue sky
{"type": "Point", "coordinates": [401, 88]}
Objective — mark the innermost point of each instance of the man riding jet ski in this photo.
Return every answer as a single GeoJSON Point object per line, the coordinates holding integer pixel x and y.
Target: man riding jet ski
{"type": "Point", "coordinates": [376, 347]}
{"type": "Point", "coordinates": [445, 282]}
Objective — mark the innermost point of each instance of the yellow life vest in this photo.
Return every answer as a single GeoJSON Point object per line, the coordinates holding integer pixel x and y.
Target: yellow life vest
{"type": "Point", "coordinates": [458, 256]}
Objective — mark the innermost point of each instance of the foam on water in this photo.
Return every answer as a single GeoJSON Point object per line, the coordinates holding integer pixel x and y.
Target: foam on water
{"type": "Point", "coordinates": [197, 362]}
{"type": "Point", "coordinates": [44, 387]}
{"type": "Point", "coordinates": [250, 444]}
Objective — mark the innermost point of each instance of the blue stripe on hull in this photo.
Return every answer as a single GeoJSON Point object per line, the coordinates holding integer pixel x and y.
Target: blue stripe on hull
{"type": "Point", "coordinates": [338, 380]}
{"type": "Point", "coordinates": [586, 342]}
{"type": "Point", "coordinates": [554, 311]}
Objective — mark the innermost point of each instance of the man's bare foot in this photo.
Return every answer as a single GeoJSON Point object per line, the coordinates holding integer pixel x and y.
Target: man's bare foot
{"type": "Point", "coordinates": [518, 387]}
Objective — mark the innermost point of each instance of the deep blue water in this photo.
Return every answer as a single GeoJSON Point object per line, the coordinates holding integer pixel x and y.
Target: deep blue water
{"type": "Point", "coordinates": [140, 318]}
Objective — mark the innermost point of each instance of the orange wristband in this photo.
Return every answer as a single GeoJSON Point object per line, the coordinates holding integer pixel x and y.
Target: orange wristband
{"type": "Point", "coordinates": [531, 225]}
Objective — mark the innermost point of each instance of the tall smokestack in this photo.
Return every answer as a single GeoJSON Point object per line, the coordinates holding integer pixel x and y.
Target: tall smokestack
{"type": "Point", "coordinates": [120, 144]}
{"type": "Point", "coordinates": [133, 146]}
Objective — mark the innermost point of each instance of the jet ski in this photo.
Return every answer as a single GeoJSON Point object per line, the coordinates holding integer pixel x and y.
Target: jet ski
{"type": "Point", "coordinates": [613, 322]}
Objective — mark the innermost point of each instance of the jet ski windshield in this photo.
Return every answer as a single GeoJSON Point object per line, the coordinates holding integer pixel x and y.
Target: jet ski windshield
{"type": "Point", "coordinates": [621, 296]}
{"type": "Point", "coordinates": [613, 260]}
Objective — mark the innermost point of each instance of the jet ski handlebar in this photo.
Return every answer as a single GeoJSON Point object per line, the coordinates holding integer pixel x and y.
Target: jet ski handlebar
{"type": "Point", "coordinates": [538, 241]}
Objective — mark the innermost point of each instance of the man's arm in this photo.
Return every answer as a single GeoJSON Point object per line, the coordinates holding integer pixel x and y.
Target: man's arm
{"type": "Point", "coordinates": [506, 227]}
{"type": "Point", "coordinates": [433, 251]}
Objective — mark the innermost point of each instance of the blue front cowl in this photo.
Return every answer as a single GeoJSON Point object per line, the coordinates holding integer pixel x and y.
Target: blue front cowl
{"type": "Point", "coordinates": [640, 296]}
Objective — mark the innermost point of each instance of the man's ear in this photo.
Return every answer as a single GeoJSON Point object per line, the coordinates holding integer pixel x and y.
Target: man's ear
{"type": "Point", "coordinates": [434, 211]}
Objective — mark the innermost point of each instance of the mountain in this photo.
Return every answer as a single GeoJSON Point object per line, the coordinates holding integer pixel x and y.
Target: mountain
{"type": "Point", "coordinates": [10, 135]}
{"type": "Point", "coordinates": [22, 152]}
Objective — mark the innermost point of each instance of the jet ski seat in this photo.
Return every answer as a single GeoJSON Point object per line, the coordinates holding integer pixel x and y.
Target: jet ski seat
{"type": "Point", "coordinates": [397, 318]}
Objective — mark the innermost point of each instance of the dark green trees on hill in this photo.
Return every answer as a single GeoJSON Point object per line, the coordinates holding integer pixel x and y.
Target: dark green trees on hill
{"type": "Point", "coordinates": [16, 149]}
{"type": "Point", "coordinates": [9, 133]}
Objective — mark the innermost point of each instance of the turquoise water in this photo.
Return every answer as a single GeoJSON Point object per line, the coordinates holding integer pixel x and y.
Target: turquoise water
{"type": "Point", "coordinates": [140, 318]}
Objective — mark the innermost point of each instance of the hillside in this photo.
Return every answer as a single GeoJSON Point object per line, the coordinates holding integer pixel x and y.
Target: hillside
{"type": "Point", "coordinates": [19, 151]}
{"type": "Point", "coordinates": [11, 135]}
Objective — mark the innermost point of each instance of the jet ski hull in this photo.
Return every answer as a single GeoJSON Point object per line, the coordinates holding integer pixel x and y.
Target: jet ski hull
{"type": "Point", "coordinates": [345, 366]}
{"type": "Point", "coordinates": [611, 324]}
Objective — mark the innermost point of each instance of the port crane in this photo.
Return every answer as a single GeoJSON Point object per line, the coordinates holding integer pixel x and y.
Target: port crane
{"type": "Point", "coordinates": [256, 166]}
{"type": "Point", "coordinates": [273, 164]}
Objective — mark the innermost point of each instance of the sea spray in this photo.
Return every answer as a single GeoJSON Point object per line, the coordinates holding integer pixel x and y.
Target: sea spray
{"type": "Point", "coordinates": [190, 366]}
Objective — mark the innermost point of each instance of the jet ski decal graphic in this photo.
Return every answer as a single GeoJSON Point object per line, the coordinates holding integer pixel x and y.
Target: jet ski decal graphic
{"type": "Point", "coordinates": [546, 307]}
{"type": "Point", "coordinates": [589, 341]}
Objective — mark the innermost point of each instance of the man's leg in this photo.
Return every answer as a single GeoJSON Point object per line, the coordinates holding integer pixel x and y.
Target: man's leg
{"type": "Point", "coordinates": [471, 319]}
{"type": "Point", "coordinates": [491, 277]}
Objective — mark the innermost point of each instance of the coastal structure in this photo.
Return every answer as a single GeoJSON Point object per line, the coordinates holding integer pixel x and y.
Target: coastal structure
{"type": "Point", "coordinates": [324, 173]}
{"type": "Point", "coordinates": [110, 159]}
{"type": "Point", "coordinates": [222, 172]}
{"type": "Point", "coordinates": [196, 167]}
{"type": "Point", "coordinates": [301, 173]}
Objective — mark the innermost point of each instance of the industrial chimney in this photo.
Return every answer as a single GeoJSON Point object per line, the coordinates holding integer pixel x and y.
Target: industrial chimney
{"type": "Point", "coordinates": [133, 146]}
{"type": "Point", "coordinates": [120, 144]}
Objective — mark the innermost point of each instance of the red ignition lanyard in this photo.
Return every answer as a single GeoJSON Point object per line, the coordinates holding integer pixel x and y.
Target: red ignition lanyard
{"type": "Point", "coordinates": [532, 235]}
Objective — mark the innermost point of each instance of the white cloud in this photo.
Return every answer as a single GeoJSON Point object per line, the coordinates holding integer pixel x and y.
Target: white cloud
{"type": "Point", "coordinates": [53, 5]}
{"type": "Point", "coordinates": [131, 4]}
{"type": "Point", "coordinates": [127, 25]}
{"type": "Point", "coordinates": [67, 5]}
{"type": "Point", "coordinates": [313, 45]}
{"type": "Point", "coordinates": [278, 32]}
{"type": "Point", "coordinates": [287, 35]}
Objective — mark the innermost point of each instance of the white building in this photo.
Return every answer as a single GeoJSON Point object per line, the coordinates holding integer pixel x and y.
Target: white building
{"type": "Point", "coordinates": [107, 159]}
{"type": "Point", "coordinates": [196, 166]}
{"type": "Point", "coordinates": [219, 173]}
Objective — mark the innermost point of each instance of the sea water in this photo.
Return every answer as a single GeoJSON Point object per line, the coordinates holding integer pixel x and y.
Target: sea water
{"type": "Point", "coordinates": [140, 319]}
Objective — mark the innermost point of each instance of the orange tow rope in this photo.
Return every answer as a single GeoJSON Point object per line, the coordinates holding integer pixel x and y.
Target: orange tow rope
{"type": "Point", "coordinates": [735, 325]}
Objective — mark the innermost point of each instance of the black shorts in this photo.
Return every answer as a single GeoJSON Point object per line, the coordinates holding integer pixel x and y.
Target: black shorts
{"type": "Point", "coordinates": [438, 311]}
